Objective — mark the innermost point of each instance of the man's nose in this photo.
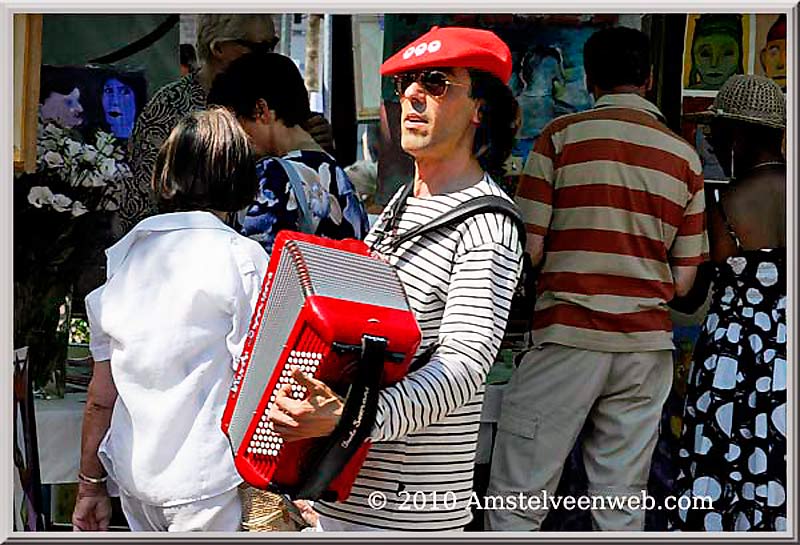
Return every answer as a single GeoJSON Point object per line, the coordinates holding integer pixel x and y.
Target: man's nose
{"type": "Point", "coordinates": [415, 91]}
{"type": "Point", "coordinates": [417, 97]}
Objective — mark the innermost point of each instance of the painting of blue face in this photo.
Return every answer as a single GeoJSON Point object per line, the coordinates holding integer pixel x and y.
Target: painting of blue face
{"type": "Point", "coordinates": [119, 105]}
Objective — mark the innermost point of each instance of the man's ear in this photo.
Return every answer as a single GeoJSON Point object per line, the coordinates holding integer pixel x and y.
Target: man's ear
{"type": "Point", "coordinates": [263, 113]}
{"type": "Point", "coordinates": [216, 49]}
{"type": "Point", "coordinates": [648, 84]}
{"type": "Point", "coordinates": [478, 112]}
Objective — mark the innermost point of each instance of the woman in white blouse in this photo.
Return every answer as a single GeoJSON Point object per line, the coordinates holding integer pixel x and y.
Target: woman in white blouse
{"type": "Point", "coordinates": [166, 330]}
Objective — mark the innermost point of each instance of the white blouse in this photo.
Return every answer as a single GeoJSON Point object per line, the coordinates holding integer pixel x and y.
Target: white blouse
{"type": "Point", "coordinates": [172, 319]}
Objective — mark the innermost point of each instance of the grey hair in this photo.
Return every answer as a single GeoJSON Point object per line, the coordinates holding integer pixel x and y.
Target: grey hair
{"type": "Point", "coordinates": [213, 26]}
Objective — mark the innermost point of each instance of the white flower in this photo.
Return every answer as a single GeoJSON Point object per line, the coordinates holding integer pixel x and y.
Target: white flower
{"type": "Point", "coordinates": [62, 203]}
{"type": "Point", "coordinates": [73, 148]}
{"type": "Point", "coordinates": [104, 139]}
{"type": "Point", "coordinates": [89, 154]}
{"type": "Point", "coordinates": [40, 195]}
{"type": "Point", "coordinates": [110, 205]}
{"type": "Point", "coordinates": [49, 144]}
{"type": "Point", "coordinates": [53, 130]}
{"type": "Point", "coordinates": [78, 209]}
{"type": "Point", "coordinates": [108, 168]}
{"type": "Point", "coordinates": [53, 159]}
{"type": "Point", "coordinates": [92, 178]}
{"type": "Point", "coordinates": [98, 180]}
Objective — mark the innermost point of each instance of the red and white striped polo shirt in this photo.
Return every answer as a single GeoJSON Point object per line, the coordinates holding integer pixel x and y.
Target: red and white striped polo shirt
{"type": "Point", "coordinates": [619, 199]}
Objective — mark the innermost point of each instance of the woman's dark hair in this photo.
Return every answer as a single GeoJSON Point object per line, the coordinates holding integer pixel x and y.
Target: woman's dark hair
{"type": "Point", "coordinates": [494, 137]}
{"type": "Point", "coordinates": [617, 56]}
{"type": "Point", "coordinates": [206, 163]}
{"type": "Point", "coordinates": [270, 76]}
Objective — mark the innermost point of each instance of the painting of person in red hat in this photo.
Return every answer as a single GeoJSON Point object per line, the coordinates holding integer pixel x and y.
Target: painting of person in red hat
{"type": "Point", "coordinates": [773, 54]}
{"type": "Point", "coordinates": [458, 119]}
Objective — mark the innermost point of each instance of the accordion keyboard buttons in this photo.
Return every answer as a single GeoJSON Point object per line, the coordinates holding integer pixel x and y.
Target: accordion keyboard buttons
{"type": "Point", "coordinates": [265, 442]}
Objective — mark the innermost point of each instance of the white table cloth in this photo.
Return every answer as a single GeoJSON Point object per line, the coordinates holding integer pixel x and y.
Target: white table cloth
{"type": "Point", "coordinates": [58, 432]}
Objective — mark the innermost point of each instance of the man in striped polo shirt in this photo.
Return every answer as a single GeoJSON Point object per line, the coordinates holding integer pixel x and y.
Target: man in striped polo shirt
{"type": "Point", "coordinates": [614, 207]}
{"type": "Point", "coordinates": [458, 118]}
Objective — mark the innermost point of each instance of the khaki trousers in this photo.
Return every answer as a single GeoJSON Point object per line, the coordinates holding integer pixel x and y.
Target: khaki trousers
{"type": "Point", "coordinates": [550, 396]}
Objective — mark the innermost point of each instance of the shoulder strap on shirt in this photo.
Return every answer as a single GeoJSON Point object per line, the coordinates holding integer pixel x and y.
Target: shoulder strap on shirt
{"type": "Point", "coordinates": [478, 205]}
{"type": "Point", "coordinates": [306, 223]}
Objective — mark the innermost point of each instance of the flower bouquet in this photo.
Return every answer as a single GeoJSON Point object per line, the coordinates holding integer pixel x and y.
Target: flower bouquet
{"type": "Point", "coordinates": [62, 219]}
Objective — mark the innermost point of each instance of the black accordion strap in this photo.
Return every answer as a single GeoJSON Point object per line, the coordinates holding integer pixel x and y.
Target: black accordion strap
{"type": "Point", "coordinates": [391, 219]}
{"type": "Point", "coordinates": [355, 424]}
{"type": "Point", "coordinates": [485, 203]}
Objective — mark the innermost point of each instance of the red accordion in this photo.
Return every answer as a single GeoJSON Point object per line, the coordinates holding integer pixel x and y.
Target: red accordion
{"type": "Point", "coordinates": [340, 315]}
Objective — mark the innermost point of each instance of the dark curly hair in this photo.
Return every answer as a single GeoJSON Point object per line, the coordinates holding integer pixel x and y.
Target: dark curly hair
{"type": "Point", "coordinates": [499, 121]}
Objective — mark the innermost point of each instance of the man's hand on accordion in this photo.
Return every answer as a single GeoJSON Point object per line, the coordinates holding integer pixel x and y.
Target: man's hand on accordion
{"type": "Point", "coordinates": [315, 415]}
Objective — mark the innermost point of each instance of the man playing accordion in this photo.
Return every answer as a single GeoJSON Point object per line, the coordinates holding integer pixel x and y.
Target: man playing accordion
{"type": "Point", "coordinates": [458, 123]}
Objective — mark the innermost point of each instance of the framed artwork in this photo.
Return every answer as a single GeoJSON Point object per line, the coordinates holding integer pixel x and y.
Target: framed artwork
{"type": "Point", "coordinates": [90, 98]}
{"type": "Point", "coordinates": [717, 46]}
{"type": "Point", "coordinates": [770, 47]}
{"type": "Point", "coordinates": [27, 60]}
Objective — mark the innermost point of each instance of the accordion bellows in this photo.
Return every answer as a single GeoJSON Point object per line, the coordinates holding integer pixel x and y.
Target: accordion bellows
{"type": "Point", "coordinates": [342, 317]}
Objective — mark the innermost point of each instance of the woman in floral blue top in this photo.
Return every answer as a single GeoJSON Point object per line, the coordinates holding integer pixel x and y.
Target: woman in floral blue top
{"type": "Point", "coordinates": [270, 100]}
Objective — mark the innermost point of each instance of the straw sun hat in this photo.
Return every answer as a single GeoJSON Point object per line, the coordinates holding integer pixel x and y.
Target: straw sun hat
{"type": "Point", "coordinates": [751, 99]}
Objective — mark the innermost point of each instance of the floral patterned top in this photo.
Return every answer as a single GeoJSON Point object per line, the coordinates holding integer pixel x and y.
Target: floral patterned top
{"type": "Point", "coordinates": [335, 208]}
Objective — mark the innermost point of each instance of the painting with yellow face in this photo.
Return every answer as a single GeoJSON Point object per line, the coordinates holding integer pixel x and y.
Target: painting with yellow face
{"type": "Point", "coordinates": [771, 47]}
{"type": "Point", "coordinates": [716, 49]}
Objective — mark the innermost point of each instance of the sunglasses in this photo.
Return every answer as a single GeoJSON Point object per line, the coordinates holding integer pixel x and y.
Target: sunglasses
{"type": "Point", "coordinates": [267, 46]}
{"type": "Point", "coordinates": [433, 82]}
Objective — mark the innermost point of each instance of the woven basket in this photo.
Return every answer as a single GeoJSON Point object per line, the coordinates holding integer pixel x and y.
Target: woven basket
{"type": "Point", "coordinates": [264, 511]}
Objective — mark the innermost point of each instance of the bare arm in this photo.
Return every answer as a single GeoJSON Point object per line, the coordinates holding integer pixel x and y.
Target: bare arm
{"type": "Point", "coordinates": [93, 507]}
{"type": "Point", "coordinates": [535, 248]}
{"type": "Point", "coordinates": [690, 246]}
{"type": "Point", "coordinates": [683, 277]}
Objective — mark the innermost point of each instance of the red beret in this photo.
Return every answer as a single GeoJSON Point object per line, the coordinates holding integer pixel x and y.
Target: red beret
{"type": "Point", "coordinates": [778, 29]}
{"type": "Point", "coordinates": [453, 47]}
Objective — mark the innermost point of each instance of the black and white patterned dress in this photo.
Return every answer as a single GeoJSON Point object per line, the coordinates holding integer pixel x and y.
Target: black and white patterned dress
{"type": "Point", "coordinates": [733, 444]}
{"type": "Point", "coordinates": [160, 115]}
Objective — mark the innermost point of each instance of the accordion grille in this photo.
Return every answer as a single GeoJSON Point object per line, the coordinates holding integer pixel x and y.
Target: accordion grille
{"type": "Point", "coordinates": [351, 277]}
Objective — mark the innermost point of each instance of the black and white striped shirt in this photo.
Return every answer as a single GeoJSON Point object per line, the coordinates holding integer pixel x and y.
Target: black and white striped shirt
{"type": "Point", "coordinates": [459, 283]}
